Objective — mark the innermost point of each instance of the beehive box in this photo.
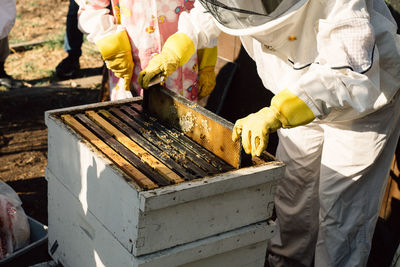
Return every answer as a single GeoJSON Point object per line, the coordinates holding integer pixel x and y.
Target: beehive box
{"type": "Point", "coordinates": [78, 238]}
{"type": "Point", "coordinates": [145, 220]}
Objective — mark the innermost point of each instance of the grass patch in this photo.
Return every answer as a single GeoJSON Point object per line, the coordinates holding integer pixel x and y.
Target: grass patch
{"type": "Point", "coordinates": [56, 42]}
{"type": "Point", "coordinates": [33, 4]}
{"type": "Point", "coordinates": [90, 49]}
{"type": "Point", "coordinates": [29, 67]}
{"type": "Point", "coordinates": [38, 41]}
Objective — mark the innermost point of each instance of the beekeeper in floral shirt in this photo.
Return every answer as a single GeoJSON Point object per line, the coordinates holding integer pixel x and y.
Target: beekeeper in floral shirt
{"type": "Point", "coordinates": [133, 34]}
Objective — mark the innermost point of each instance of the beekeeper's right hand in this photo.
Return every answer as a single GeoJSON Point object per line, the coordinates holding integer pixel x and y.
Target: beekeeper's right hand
{"type": "Point", "coordinates": [286, 110]}
{"type": "Point", "coordinates": [117, 53]}
{"type": "Point", "coordinates": [176, 51]}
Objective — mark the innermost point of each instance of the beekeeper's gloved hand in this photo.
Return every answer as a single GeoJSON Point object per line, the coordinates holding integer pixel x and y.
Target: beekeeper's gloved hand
{"type": "Point", "coordinates": [207, 58]}
{"type": "Point", "coordinates": [176, 51]}
{"type": "Point", "coordinates": [117, 53]}
{"type": "Point", "coordinates": [286, 110]}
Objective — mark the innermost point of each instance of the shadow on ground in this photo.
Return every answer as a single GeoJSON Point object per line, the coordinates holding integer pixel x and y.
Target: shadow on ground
{"type": "Point", "coordinates": [52, 79]}
{"type": "Point", "coordinates": [23, 145]}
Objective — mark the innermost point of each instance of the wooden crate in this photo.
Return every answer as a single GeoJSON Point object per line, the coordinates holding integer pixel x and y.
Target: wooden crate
{"type": "Point", "coordinates": [146, 221]}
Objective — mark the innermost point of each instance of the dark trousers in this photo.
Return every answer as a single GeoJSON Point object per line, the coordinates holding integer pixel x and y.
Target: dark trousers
{"type": "Point", "coordinates": [73, 38]}
{"type": "Point", "coordinates": [4, 49]}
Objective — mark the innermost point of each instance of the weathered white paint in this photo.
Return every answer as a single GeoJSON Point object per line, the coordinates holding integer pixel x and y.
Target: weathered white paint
{"type": "Point", "coordinates": [81, 239]}
{"type": "Point", "coordinates": [85, 242]}
{"type": "Point", "coordinates": [210, 186]}
{"type": "Point", "coordinates": [148, 221]}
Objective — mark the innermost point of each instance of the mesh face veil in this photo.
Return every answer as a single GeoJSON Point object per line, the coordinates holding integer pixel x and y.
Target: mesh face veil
{"type": "Point", "coordinates": [242, 14]}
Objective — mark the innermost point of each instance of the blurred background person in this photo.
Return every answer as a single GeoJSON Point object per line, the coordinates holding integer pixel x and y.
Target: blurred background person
{"type": "Point", "coordinates": [69, 67]}
{"type": "Point", "coordinates": [8, 12]}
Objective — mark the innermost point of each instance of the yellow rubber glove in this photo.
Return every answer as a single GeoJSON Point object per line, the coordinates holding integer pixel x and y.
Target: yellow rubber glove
{"type": "Point", "coordinates": [286, 110]}
{"type": "Point", "coordinates": [176, 51]}
{"type": "Point", "coordinates": [207, 58]}
{"type": "Point", "coordinates": [117, 53]}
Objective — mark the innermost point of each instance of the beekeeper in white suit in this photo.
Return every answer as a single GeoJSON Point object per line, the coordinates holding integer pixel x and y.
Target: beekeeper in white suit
{"type": "Point", "coordinates": [8, 13]}
{"type": "Point", "coordinates": [334, 67]}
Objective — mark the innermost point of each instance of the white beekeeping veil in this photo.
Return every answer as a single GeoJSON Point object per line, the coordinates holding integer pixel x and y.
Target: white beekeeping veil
{"type": "Point", "coordinates": [242, 14]}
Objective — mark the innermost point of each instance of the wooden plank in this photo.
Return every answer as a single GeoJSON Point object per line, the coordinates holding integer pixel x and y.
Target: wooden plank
{"type": "Point", "coordinates": [122, 163]}
{"type": "Point", "coordinates": [228, 47]}
{"type": "Point", "coordinates": [135, 148]}
{"type": "Point", "coordinates": [392, 190]}
{"type": "Point", "coordinates": [157, 150]}
{"type": "Point", "coordinates": [172, 150]}
{"type": "Point", "coordinates": [209, 157]}
{"type": "Point", "coordinates": [202, 126]}
{"type": "Point", "coordinates": [176, 142]}
{"type": "Point", "coordinates": [26, 45]}
{"type": "Point", "coordinates": [122, 150]}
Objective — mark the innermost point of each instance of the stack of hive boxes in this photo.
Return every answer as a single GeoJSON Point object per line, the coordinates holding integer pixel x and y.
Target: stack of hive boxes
{"type": "Point", "coordinates": [99, 216]}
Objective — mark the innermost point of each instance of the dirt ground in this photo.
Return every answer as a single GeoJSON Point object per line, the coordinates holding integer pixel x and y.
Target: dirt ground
{"type": "Point", "coordinates": [38, 38]}
{"type": "Point", "coordinates": [37, 42]}
{"type": "Point", "coordinates": [23, 133]}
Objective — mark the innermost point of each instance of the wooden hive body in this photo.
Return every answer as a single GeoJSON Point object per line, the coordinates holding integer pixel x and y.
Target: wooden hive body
{"type": "Point", "coordinates": [146, 221]}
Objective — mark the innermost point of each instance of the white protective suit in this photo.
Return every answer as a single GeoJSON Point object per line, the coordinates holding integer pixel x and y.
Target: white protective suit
{"type": "Point", "coordinates": [342, 58]}
{"type": "Point", "coordinates": [8, 13]}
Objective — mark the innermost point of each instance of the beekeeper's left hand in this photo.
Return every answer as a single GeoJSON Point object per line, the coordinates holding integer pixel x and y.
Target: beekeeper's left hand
{"type": "Point", "coordinates": [116, 51]}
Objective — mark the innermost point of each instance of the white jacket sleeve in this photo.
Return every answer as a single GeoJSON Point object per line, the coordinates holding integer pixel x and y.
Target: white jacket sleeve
{"type": "Point", "coordinates": [357, 70]}
{"type": "Point", "coordinates": [8, 13]}
{"type": "Point", "coordinates": [95, 20]}
{"type": "Point", "coordinates": [199, 26]}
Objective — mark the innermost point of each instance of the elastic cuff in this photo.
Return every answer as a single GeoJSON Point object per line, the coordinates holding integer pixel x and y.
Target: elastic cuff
{"type": "Point", "coordinates": [180, 44]}
{"type": "Point", "coordinates": [207, 57]}
{"type": "Point", "coordinates": [113, 44]}
{"type": "Point", "coordinates": [292, 111]}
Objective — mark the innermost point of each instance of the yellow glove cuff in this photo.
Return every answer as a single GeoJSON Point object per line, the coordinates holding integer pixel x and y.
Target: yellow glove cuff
{"type": "Point", "coordinates": [207, 57]}
{"type": "Point", "coordinates": [113, 44]}
{"type": "Point", "coordinates": [291, 110]}
{"type": "Point", "coordinates": [181, 45]}
{"type": "Point", "coordinates": [206, 81]}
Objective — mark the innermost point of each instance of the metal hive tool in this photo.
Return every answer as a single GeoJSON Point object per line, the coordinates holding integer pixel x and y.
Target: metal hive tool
{"type": "Point", "coordinates": [151, 153]}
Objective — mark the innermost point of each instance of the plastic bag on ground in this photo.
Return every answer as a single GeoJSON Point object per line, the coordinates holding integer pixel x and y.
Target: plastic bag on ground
{"type": "Point", "coordinates": [14, 225]}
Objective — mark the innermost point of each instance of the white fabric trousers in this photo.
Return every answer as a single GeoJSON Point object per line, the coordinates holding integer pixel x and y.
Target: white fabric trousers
{"type": "Point", "coordinates": [328, 202]}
